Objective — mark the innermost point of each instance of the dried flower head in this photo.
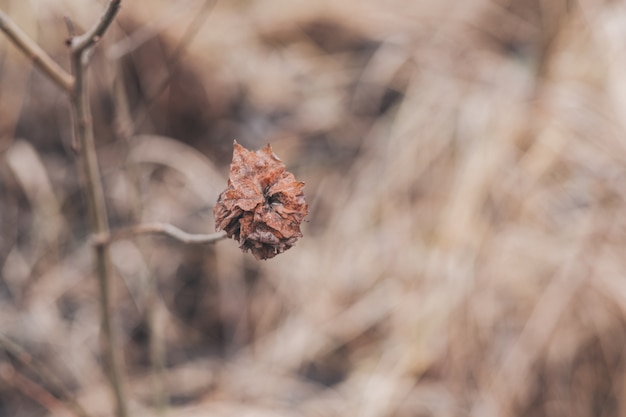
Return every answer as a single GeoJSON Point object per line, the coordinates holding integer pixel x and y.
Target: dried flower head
{"type": "Point", "coordinates": [263, 206]}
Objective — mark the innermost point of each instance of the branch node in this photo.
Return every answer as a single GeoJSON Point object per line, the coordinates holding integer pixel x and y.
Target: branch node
{"type": "Point", "coordinates": [100, 239]}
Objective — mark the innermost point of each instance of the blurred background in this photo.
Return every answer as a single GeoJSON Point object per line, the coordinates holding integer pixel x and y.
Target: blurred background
{"type": "Point", "coordinates": [464, 162]}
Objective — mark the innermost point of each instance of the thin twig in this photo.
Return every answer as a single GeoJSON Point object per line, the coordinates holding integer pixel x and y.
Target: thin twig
{"type": "Point", "coordinates": [84, 141]}
{"type": "Point", "coordinates": [83, 133]}
{"type": "Point", "coordinates": [80, 48]}
{"type": "Point", "coordinates": [156, 346]}
{"type": "Point", "coordinates": [89, 38]}
{"type": "Point", "coordinates": [45, 375]}
{"type": "Point", "coordinates": [149, 30]}
{"type": "Point", "coordinates": [173, 61]}
{"type": "Point", "coordinates": [158, 229]}
{"type": "Point", "coordinates": [22, 383]}
{"type": "Point", "coordinates": [40, 58]}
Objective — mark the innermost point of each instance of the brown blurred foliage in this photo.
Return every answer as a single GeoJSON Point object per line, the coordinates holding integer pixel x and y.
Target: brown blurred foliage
{"type": "Point", "coordinates": [464, 163]}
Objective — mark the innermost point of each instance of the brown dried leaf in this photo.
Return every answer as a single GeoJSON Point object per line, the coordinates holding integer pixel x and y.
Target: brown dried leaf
{"type": "Point", "coordinates": [263, 206]}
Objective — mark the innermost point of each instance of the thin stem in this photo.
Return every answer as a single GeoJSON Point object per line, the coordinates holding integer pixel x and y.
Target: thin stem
{"type": "Point", "coordinates": [83, 136]}
{"type": "Point", "coordinates": [156, 346]}
{"type": "Point", "coordinates": [89, 38]}
{"type": "Point", "coordinates": [25, 385]}
{"type": "Point", "coordinates": [45, 375]}
{"type": "Point", "coordinates": [76, 86]}
{"type": "Point", "coordinates": [158, 229]}
{"type": "Point", "coordinates": [40, 58]}
{"type": "Point", "coordinates": [84, 139]}
{"type": "Point", "coordinates": [172, 62]}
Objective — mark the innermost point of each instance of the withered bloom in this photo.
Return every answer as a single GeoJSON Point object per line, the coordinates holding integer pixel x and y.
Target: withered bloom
{"type": "Point", "coordinates": [263, 206]}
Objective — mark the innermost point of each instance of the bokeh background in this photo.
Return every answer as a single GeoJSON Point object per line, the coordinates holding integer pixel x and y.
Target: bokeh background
{"type": "Point", "coordinates": [465, 164]}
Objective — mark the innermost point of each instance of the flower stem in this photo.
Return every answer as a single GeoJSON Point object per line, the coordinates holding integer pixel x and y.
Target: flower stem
{"type": "Point", "coordinates": [80, 48]}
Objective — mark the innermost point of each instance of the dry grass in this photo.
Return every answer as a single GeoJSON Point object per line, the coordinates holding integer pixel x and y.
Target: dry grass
{"type": "Point", "coordinates": [464, 163]}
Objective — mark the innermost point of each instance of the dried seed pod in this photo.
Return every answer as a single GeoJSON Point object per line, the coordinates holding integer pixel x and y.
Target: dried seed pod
{"type": "Point", "coordinates": [263, 206]}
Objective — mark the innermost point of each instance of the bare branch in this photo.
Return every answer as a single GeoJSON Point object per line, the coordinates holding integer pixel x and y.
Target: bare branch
{"type": "Point", "coordinates": [158, 229]}
{"type": "Point", "coordinates": [45, 375]}
{"type": "Point", "coordinates": [89, 38]}
{"type": "Point", "coordinates": [40, 58]}
{"type": "Point", "coordinates": [84, 140]}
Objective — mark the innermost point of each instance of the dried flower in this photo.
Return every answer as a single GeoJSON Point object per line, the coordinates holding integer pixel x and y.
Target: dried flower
{"type": "Point", "coordinates": [263, 206]}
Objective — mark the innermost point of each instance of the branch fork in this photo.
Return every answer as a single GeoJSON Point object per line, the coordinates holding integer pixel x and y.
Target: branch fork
{"type": "Point", "coordinates": [74, 84]}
